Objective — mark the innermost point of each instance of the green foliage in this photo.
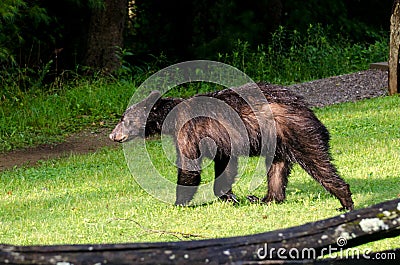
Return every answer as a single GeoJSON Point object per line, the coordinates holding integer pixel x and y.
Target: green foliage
{"type": "Point", "coordinates": [38, 38]}
{"type": "Point", "coordinates": [19, 19]}
{"type": "Point", "coordinates": [94, 199]}
{"type": "Point", "coordinates": [293, 57]}
{"type": "Point", "coordinates": [202, 28]}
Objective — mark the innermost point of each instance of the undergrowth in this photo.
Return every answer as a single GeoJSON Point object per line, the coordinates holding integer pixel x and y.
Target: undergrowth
{"type": "Point", "coordinates": [292, 57]}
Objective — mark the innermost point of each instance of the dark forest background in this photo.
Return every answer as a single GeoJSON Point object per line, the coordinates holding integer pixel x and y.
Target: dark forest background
{"type": "Point", "coordinates": [96, 34]}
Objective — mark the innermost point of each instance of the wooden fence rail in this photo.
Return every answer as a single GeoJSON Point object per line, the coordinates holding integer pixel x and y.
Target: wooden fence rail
{"type": "Point", "coordinates": [301, 245]}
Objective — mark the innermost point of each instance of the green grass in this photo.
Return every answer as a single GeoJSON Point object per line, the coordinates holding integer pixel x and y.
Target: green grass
{"type": "Point", "coordinates": [94, 199]}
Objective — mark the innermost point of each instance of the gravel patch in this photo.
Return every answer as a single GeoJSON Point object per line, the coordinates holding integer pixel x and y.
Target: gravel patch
{"type": "Point", "coordinates": [343, 88]}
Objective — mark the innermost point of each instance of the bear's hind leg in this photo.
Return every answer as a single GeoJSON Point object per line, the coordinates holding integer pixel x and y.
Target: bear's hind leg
{"type": "Point", "coordinates": [322, 170]}
{"type": "Point", "coordinates": [277, 181]}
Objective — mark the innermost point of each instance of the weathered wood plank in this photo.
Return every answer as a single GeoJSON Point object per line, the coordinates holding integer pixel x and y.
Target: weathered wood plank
{"type": "Point", "coordinates": [353, 228]}
{"type": "Point", "coordinates": [379, 66]}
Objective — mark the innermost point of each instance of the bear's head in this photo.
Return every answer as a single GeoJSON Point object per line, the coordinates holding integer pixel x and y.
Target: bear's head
{"type": "Point", "coordinates": [133, 121]}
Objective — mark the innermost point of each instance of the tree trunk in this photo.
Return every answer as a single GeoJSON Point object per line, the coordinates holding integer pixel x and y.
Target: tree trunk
{"type": "Point", "coordinates": [105, 35]}
{"type": "Point", "coordinates": [394, 49]}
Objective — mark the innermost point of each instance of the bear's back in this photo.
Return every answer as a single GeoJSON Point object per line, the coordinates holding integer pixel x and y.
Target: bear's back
{"type": "Point", "coordinates": [273, 94]}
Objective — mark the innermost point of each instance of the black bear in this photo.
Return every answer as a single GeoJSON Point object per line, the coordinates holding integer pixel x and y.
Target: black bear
{"type": "Point", "coordinates": [300, 138]}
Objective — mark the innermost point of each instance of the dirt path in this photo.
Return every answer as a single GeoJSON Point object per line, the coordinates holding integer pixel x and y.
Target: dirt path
{"type": "Point", "coordinates": [351, 87]}
{"type": "Point", "coordinates": [81, 143]}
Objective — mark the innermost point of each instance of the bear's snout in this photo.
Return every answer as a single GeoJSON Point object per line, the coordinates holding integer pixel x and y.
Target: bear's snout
{"type": "Point", "coordinates": [119, 134]}
{"type": "Point", "coordinates": [118, 137]}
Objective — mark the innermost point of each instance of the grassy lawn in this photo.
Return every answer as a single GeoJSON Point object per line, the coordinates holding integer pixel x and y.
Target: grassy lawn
{"type": "Point", "coordinates": [94, 199]}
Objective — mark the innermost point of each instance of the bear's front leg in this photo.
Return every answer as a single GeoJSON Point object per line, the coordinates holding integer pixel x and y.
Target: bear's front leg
{"type": "Point", "coordinates": [225, 172]}
{"type": "Point", "coordinates": [188, 182]}
{"type": "Point", "coordinates": [188, 162]}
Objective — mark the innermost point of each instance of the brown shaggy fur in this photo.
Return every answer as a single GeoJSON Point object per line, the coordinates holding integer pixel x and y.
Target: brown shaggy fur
{"type": "Point", "coordinates": [300, 138]}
